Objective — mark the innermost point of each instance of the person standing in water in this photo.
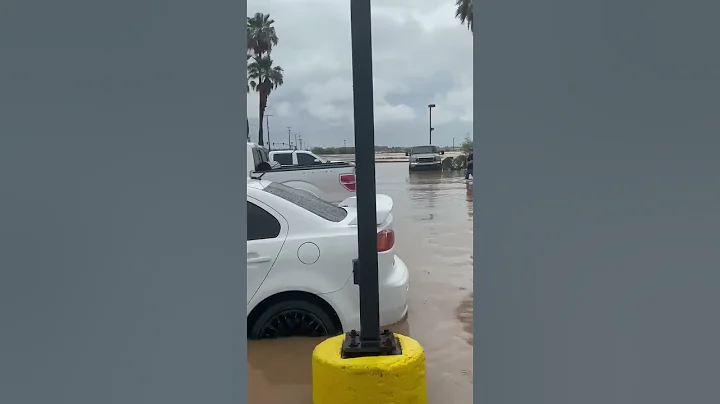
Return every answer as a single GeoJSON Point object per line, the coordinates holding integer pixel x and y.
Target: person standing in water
{"type": "Point", "coordinates": [469, 169]}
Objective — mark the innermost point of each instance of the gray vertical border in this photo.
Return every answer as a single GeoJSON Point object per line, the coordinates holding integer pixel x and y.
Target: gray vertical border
{"type": "Point", "coordinates": [122, 206]}
{"type": "Point", "coordinates": [597, 206]}
{"type": "Point", "coordinates": [477, 186]}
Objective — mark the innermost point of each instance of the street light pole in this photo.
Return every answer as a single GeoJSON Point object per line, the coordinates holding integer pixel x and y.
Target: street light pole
{"type": "Point", "coordinates": [430, 107]}
{"type": "Point", "coordinates": [370, 341]}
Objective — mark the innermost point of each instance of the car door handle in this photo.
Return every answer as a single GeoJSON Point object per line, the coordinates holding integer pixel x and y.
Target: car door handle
{"type": "Point", "coordinates": [258, 260]}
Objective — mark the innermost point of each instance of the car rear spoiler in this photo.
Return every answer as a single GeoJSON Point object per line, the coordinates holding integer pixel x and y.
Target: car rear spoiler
{"type": "Point", "coordinates": [384, 205]}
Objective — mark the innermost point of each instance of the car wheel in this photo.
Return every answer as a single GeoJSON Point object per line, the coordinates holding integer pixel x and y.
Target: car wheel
{"type": "Point", "coordinates": [293, 318]}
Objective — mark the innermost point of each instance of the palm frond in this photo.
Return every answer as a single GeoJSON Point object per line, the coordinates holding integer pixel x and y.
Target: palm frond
{"type": "Point", "coordinates": [261, 35]}
{"type": "Point", "coordinates": [464, 12]}
{"type": "Point", "coordinates": [264, 76]}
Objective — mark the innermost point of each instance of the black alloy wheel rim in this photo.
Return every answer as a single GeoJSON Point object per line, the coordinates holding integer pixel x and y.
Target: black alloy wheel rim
{"type": "Point", "coordinates": [293, 323]}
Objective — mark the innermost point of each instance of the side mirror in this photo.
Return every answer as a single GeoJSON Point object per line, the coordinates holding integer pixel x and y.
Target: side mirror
{"type": "Point", "coordinates": [442, 152]}
{"type": "Point", "coordinates": [407, 153]}
{"type": "Point", "coordinates": [317, 161]}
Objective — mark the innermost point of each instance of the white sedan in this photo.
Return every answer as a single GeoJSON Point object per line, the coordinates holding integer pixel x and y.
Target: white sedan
{"type": "Point", "coordinates": [299, 261]}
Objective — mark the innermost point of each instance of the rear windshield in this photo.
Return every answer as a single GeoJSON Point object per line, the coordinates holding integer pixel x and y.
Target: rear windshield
{"type": "Point", "coordinates": [308, 201]}
{"type": "Point", "coordinates": [424, 150]}
{"type": "Point", "coordinates": [284, 159]}
{"type": "Point", "coordinates": [260, 155]}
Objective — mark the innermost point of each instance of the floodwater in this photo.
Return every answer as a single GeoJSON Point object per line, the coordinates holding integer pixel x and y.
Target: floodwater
{"type": "Point", "coordinates": [433, 223]}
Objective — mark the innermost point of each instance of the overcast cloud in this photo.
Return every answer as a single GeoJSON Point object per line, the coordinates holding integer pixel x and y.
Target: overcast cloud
{"type": "Point", "coordinates": [422, 55]}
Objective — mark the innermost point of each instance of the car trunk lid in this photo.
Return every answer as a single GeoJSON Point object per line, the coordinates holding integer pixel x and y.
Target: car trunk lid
{"type": "Point", "coordinates": [384, 205]}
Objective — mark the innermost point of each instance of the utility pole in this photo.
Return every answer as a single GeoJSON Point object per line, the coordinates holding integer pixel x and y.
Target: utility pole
{"type": "Point", "coordinates": [344, 144]}
{"type": "Point", "coordinates": [267, 121]}
{"type": "Point", "coordinates": [296, 142]}
{"type": "Point", "coordinates": [289, 142]}
{"type": "Point", "coordinates": [453, 143]}
{"type": "Point", "coordinates": [299, 139]}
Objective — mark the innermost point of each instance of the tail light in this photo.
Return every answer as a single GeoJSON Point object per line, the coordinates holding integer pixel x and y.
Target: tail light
{"type": "Point", "coordinates": [348, 181]}
{"type": "Point", "coordinates": [385, 240]}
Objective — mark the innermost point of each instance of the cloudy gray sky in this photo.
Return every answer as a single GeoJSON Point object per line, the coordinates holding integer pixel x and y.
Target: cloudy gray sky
{"type": "Point", "coordinates": [422, 55]}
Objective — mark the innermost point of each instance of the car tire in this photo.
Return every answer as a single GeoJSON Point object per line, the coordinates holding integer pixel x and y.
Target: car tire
{"type": "Point", "coordinates": [308, 320]}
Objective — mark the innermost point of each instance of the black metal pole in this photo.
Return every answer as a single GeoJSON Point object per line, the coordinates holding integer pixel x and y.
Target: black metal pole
{"type": "Point", "coordinates": [430, 128]}
{"type": "Point", "coordinates": [365, 172]}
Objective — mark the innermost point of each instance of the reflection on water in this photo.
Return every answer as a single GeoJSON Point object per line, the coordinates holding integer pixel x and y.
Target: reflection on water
{"type": "Point", "coordinates": [464, 313]}
{"type": "Point", "coordinates": [433, 222]}
{"type": "Point", "coordinates": [469, 197]}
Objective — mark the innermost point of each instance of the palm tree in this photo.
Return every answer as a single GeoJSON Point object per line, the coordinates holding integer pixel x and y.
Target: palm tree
{"type": "Point", "coordinates": [261, 38]}
{"type": "Point", "coordinates": [261, 35]}
{"type": "Point", "coordinates": [464, 12]}
{"type": "Point", "coordinates": [264, 78]}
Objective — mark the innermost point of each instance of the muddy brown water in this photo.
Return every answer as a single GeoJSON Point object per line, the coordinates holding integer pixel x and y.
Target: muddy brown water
{"type": "Point", "coordinates": [433, 224]}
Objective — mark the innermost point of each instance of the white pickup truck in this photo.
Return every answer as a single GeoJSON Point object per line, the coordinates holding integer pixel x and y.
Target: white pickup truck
{"type": "Point", "coordinates": [296, 158]}
{"type": "Point", "coordinates": [331, 181]}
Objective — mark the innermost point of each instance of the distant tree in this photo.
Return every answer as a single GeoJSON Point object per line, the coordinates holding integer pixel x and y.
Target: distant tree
{"type": "Point", "coordinates": [464, 12]}
{"type": "Point", "coordinates": [467, 144]}
{"type": "Point", "coordinates": [320, 150]}
{"type": "Point", "coordinates": [460, 162]}
{"type": "Point", "coordinates": [351, 150]}
{"type": "Point", "coordinates": [333, 150]}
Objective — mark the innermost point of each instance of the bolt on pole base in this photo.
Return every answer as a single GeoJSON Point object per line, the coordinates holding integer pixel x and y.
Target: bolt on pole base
{"type": "Point", "coordinates": [353, 347]}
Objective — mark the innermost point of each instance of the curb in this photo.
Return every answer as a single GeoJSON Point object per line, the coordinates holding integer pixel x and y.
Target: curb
{"type": "Point", "coordinates": [398, 379]}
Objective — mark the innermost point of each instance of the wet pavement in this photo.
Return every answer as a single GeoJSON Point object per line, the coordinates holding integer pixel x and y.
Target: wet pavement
{"type": "Point", "coordinates": [433, 223]}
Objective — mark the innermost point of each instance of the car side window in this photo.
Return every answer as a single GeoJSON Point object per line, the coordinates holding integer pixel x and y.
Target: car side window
{"type": "Point", "coordinates": [283, 158]}
{"type": "Point", "coordinates": [261, 225]}
{"type": "Point", "coordinates": [305, 159]}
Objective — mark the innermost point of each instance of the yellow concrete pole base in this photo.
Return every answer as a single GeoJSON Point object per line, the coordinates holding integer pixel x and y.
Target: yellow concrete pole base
{"type": "Point", "coordinates": [398, 379]}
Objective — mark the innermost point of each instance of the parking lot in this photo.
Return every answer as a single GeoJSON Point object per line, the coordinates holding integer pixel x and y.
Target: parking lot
{"type": "Point", "coordinates": [433, 222]}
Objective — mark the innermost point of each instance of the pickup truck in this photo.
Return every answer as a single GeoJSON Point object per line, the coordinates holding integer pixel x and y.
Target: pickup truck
{"type": "Point", "coordinates": [296, 158]}
{"type": "Point", "coordinates": [425, 157]}
{"type": "Point", "coordinates": [331, 181]}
